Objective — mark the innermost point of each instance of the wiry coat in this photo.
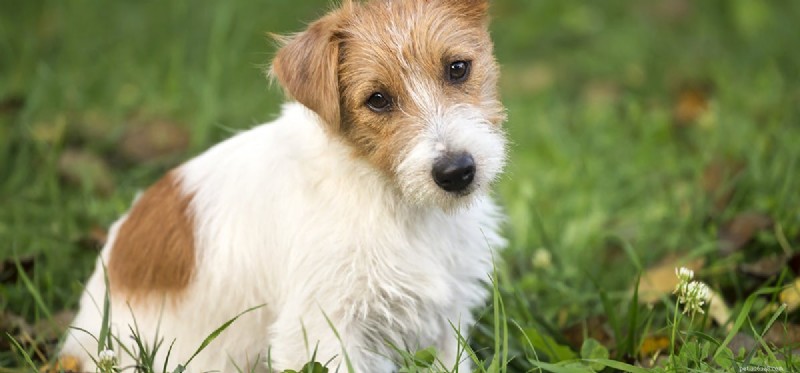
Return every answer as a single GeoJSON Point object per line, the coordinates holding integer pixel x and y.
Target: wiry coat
{"type": "Point", "coordinates": [325, 222]}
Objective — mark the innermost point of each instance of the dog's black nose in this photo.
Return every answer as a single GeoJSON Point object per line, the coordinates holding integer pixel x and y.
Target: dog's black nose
{"type": "Point", "coordinates": [454, 173]}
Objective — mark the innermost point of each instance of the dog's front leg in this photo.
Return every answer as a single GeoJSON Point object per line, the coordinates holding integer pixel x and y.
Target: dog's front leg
{"type": "Point", "coordinates": [453, 353]}
{"type": "Point", "coordinates": [297, 337]}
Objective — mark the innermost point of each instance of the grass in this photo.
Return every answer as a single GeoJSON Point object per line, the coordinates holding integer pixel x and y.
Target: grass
{"type": "Point", "coordinates": [621, 115]}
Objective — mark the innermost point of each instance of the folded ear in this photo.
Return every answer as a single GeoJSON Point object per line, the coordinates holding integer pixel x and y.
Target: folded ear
{"type": "Point", "coordinates": [307, 67]}
{"type": "Point", "coordinates": [475, 10]}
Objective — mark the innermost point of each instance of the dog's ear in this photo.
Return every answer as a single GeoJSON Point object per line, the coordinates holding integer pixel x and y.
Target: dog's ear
{"type": "Point", "coordinates": [475, 10]}
{"type": "Point", "coordinates": [307, 67]}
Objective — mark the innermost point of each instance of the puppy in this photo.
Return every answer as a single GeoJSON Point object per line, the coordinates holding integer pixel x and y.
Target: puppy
{"type": "Point", "coordinates": [360, 219]}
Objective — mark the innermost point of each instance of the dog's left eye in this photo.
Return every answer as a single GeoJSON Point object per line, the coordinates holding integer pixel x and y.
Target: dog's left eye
{"type": "Point", "coordinates": [379, 102]}
{"type": "Point", "coordinates": [458, 71]}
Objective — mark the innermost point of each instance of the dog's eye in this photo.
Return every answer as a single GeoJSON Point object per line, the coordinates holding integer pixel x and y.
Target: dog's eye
{"type": "Point", "coordinates": [458, 71]}
{"type": "Point", "coordinates": [379, 102]}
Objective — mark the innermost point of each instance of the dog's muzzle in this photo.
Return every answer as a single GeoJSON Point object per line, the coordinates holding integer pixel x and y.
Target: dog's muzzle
{"type": "Point", "coordinates": [454, 172]}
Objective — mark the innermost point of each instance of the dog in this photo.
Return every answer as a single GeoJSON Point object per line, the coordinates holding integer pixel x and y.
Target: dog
{"type": "Point", "coordinates": [360, 220]}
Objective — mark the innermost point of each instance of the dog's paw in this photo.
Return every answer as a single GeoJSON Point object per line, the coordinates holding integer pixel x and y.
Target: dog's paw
{"type": "Point", "coordinates": [66, 364]}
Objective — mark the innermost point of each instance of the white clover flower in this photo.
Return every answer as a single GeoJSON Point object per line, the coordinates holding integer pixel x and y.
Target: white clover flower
{"type": "Point", "coordinates": [696, 294]}
{"type": "Point", "coordinates": [700, 291]}
{"type": "Point", "coordinates": [542, 259]}
{"type": "Point", "coordinates": [692, 294]}
{"type": "Point", "coordinates": [685, 275]}
{"type": "Point", "coordinates": [107, 360]}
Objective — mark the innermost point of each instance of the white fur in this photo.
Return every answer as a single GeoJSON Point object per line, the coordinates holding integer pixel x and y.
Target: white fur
{"type": "Point", "coordinates": [287, 217]}
{"type": "Point", "coordinates": [456, 129]}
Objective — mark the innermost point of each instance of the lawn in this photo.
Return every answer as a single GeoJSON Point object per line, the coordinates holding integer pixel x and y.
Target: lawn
{"type": "Point", "coordinates": [646, 136]}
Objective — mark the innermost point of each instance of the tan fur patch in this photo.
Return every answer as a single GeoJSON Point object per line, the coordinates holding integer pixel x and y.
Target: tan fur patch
{"type": "Point", "coordinates": [154, 248]}
{"type": "Point", "coordinates": [306, 67]}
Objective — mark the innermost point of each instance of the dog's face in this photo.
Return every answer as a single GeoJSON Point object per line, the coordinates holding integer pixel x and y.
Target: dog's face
{"type": "Point", "coordinates": [412, 86]}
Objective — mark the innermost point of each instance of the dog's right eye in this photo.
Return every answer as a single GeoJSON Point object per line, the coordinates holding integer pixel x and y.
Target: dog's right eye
{"type": "Point", "coordinates": [379, 102]}
{"type": "Point", "coordinates": [458, 71]}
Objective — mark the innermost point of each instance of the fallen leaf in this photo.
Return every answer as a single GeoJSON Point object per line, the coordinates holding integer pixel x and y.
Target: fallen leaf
{"type": "Point", "coordinates": [601, 93]}
{"type": "Point", "coordinates": [791, 296]}
{"type": "Point", "coordinates": [12, 104]}
{"type": "Point", "coordinates": [63, 364]}
{"type": "Point", "coordinates": [13, 324]}
{"type": "Point", "coordinates": [93, 127]}
{"type": "Point", "coordinates": [41, 338]}
{"type": "Point", "coordinates": [49, 132]}
{"type": "Point", "coordinates": [94, 239]}
{"type": "Point", "coordinates": [670, 11]}
{"type": "Point", "coordinates": [595, 327]}
{"type": "Point", "coordinates": [742, 342]}
{"type": "Point", "coordinates": [50, 330]}
{"type": "Point", "coordinates": [660, 280]}
{"type": "Point", "coordinates": [86, 169]}
{"type": "Point", "coordinates": [794, 261]}
{"type": "Point", "coordinates": [16, 327]}
{"type": "Point", "coordinates": [765, 267]}
{"type": "Point", "coordinates": [717, 181]}
{"type": "Point", "coordinates": [718, 310]}
{"type": "Point", "coordinates": [153, 139]}
{"type": "Point", "coordinates": [691, 103]}
{"type": "Point", "coordinates": [735, 234]}
{"type": "Point", "coordinates": [9, 272]}
{"type": "Point", "coordinates": [653, 345]}
{"type": "Point", "coordinates": [782, 334]}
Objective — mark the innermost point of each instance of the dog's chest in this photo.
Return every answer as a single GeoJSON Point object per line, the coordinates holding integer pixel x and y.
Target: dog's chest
{"type": "Point", "coordinates": [408, 286]}
{"type": "Point", "coordinates": [309, 227]}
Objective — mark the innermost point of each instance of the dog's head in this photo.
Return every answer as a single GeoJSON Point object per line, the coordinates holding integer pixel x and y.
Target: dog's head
{"type": "Point", "coordinates": [411, 85]}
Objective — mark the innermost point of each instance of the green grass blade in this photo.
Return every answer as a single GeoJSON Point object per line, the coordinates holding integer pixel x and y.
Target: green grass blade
{"type": "Point", "coordinates": [618, 365]}
{"type": "Point", "coordinates": [610, 312]}
{"type": "Point", "coordinates": [24, 354]}
{"type": "Point", "coordinates": [103, 338]}
{"type": "Point", "coordinates": [558, 368]}
{"type": "Point", "coordinates": [166, 359]}
{"type": "Point", "coordinates": [496, 318]}
{"type": "Point", "coordinates": [84, 331]}
{"type": "Point", "coordinates": [504, 345]}
{"type": "Point", "coordinates": [527, 340]}
{"type": "Point", "coordinates": [339, 338]}
{"type": "Point", "coordinates": [740, 320]}
{"type": "Point", "coordinates": [211, 337]}
{"type": "Point", "coordinates": [633, 316]}
{"type": "Point", "coordinates": [472, 355]}
{"type": "Point", "coordinates": [773, 319]}
{"type": "Point", "coordinates": [704, 336]}
{"type": "Point", "coordinates": [760, 341]}
{"type": "Point", "coordinates": [631, 253]}
{"type": "Point", "coordinates": [37, 297]}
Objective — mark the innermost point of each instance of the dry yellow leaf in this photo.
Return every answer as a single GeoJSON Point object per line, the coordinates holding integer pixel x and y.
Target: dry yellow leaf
{"type": "Point", "coordinates": [791, 296]}
{"type": "Point", "coordinates": [660, 280]}
{"type": "Point", "coordinates": [653, 345]}
{"type": "Point", "coordinates": [65, 363]}
{"type": "Point", "coordinates": [718, 310]}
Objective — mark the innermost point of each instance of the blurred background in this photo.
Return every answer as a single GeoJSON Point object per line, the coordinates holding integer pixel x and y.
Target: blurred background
{"type": "Point", "coordinates": [643, 132]}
